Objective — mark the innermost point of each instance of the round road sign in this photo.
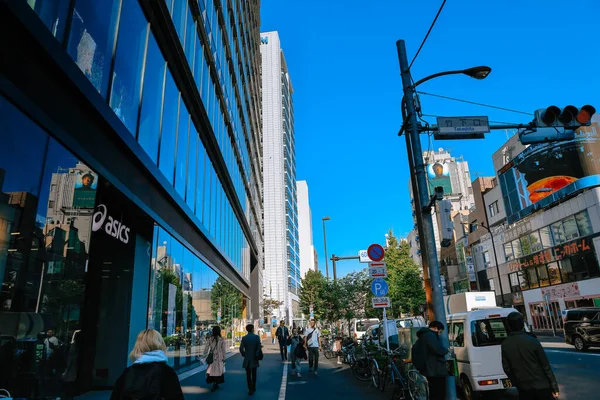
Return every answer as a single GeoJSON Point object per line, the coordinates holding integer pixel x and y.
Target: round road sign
{"type": "Point", "coordinates": [376, 252]}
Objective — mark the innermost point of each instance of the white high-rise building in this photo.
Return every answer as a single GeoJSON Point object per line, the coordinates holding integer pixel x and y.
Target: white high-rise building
{"type": "Point", "coordinates": [282, 249]}
{"type": "Point", "coordinates": [307, 248]}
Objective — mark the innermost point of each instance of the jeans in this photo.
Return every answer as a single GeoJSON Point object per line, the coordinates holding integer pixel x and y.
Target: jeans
{"type": "Point", "coordinates": [295, 364]}
{"type": "Point", "coordinates": [437, 387]}
{"type": "Point", "coordinates": [283, 350]}
{"type": "Point", "coordinates": [251, 378]}
{"type": "Point", "coordinates": [313, 358]}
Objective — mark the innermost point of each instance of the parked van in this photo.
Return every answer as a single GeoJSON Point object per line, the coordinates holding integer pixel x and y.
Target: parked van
{"type": "Point", "coordinates": [582, 327]}
{"type": "Point", "coordinates": [360, 326]}
{"type": "Point", "coordinates": [411, 322]}
{"type": "Point", "coordinates": [475, 338]}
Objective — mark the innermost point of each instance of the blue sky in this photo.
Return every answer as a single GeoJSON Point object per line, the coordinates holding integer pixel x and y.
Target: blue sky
{"type": "Point", "coordinates": [344, 68]}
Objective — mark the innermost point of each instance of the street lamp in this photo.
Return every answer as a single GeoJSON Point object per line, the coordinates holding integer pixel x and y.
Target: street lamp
{"type": "Point", "coordinates": [325, 245]}
{"type": "Point", "coordinates": [420, 188]}
{"type": "Point", "coordinates": [495, 257]}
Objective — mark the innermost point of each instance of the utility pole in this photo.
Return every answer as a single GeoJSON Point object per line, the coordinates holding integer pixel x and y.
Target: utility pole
{"type": "Point", "coordinates": [417, 172]}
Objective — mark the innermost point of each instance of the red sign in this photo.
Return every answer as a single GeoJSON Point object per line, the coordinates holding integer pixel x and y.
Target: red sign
{"type": "Point", "coordinates": [570, 249]}
{"type": "Point", "coordinates": [376, 252]}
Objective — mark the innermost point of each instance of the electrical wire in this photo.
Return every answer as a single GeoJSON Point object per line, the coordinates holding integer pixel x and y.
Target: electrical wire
{"type": "Point", "coordinates": [473, 102]}
{"type": "Point", "coordinates": [428, 32]}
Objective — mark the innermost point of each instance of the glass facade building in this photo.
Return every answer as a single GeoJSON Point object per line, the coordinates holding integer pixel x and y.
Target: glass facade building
{"type": "Point", "coordinates": [130, 184]}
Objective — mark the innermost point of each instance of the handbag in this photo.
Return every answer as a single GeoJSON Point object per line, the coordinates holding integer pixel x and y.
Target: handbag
{"type": "Point", "coordinates": [211, 357]}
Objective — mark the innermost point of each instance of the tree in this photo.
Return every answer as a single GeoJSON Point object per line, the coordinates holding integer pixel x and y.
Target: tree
{"type": "Point", "coordinates": [354, 292]}
{"type": "Point", "coordinates": [269, 305]}
{"type": "Point", "coordinates": [224, 295]}
{"type": "Point", "coordinates": [312, 289]}
{"type": "Point", "coordinates": [404, 278]}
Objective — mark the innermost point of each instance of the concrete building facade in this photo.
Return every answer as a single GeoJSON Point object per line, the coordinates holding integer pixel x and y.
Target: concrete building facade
{"type": "Point", "coordinates": [308, 253]}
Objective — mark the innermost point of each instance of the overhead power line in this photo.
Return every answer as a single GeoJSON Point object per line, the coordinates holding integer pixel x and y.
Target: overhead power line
{"type": "Point", "coordinates": [428, 32]}
{"type": "Point", "coordinates": [474, 103]}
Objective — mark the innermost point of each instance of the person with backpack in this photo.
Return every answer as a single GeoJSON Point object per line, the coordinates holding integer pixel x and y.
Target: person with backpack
{"type": "Point", "coordinates": [428, 358]}
{"type": "Point", "coordinates": [312, 343]}
{"type": "Point", "coordinates": [283, 336]}
{"type": "Point", "coordinates": [150, 377]}
{"type": "Point", "coordinates": [297, 352]}
{"type": "Point", "coordinates": [215, 352]}
{"type": "Point", "coordinates": [251, 350]}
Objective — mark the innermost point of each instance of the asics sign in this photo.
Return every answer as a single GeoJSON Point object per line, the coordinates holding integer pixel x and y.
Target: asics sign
{"type": "Point", "coordinates": [111, 226]}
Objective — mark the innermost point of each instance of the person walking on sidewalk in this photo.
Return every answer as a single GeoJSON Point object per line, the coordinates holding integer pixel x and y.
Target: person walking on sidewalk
{"type": "Point", "coordinates": [150, 377]}
{"type": "Point", "coordinates": [215, 346]}
{"type": "Point", "coordinates": [525, 363]}
{"type": "Point", "coordinates": [251, 350]}
{"type": "Point", "coordinates": [297, 352]}
{"type": "Point", "coordinates": [283, 336]}
{"type": "Point", "coordinates": [312, 344]}
{"type": "Point", "coordinates": [428, 358]}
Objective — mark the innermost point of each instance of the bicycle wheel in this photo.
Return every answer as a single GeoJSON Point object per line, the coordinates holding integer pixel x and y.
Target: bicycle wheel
{"type": "Point", "coordinates": [328, 353]}
{"type": "Point", "coordinates": [374, 368]}
{"type": "Point", "coordinates": [417, 386]}
{"type": "Point", "coordinates": [361, 370]}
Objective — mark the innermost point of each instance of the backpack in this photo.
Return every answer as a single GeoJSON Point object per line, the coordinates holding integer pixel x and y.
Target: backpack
{"type": "Point", "coordinates": [418, 356]}
{"type": "Point", "coordinates": [300, 352]}
{"type": "Point", "coordinates": [142, 382]}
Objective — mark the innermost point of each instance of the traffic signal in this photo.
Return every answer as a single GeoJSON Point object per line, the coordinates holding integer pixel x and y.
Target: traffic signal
{"type": "Point", "coordinates": [568, 117]}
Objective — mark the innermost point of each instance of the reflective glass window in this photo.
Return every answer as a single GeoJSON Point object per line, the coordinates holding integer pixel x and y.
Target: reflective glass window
{"type": "Point", "coordinates": [168, 139]}
{"type": "Point", "coordinates": [152, 100]}
{"type": "Point", "coordinates": [182, 150]}
{"type": "Point", "coordinates": [53, 13]}
{"type": "Point", "coordinates": [92, 39]}
{"type": "Point", "coordinates": [543, 276]}
{"type": "Point", "coordinates": [129, 60]}
{"type": "Point", "coordinates": [516, 245]}
{"type": "Point", "coordinates": [179, 15]}
{"type": "Point", "coordinates": [190, 197]}
{"type": "Point", "coordinates": [570, 228]}
{"type": "Point", "coordinates": [525, 244]}
{"type": "Point", "coordinates": [532, 278]}
{"type": "Point", "coordinates": [558, 233]}
{"type": "Point", "coordinates": [190, 40]}
{"type": "Point", "coordinates": [546, 237]}
{"type": "Point", "coordinates": [200, 181]}
{"type": "Point", "coordinates": [583, 223]}
{"type": "Point", "coordinates": [554, 273]}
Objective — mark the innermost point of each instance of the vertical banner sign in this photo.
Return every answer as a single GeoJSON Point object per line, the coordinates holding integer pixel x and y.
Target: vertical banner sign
{"type": "Point", "coordinates": [379, 286]}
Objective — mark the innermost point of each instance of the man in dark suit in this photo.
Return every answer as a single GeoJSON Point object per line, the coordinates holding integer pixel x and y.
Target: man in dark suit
{"type": "Point", "coordinates": [251, 350]}
{"type": "Point", "coordinates": [283, 335]}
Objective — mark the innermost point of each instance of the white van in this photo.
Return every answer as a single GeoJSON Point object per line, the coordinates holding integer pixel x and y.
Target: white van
{"type": "Point", "coordinates": [360, 326]}
{"type": "Point", "coordinates": [475, 337]}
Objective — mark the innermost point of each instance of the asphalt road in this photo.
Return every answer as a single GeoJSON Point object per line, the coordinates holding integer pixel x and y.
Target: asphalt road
{"type": "Point", "coordinates": [577, 374]}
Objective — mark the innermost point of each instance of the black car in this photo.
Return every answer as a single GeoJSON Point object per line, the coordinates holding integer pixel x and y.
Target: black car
{"type": "Point", "coordinates": [582, 327]}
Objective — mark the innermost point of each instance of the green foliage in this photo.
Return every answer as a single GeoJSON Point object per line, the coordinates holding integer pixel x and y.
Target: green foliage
{"type": "Point", "coordinates": [312, 292]}
{"type": "Point", "coordinates": [269, 305]}
{"type": "Point", "coordinates": [404, 278]}
{"type": "Point", "coordinates": [223, 294]}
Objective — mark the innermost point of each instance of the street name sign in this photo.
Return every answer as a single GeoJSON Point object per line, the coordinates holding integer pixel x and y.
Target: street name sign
{"type": "Point", "coordinates": [379, 287]}
{"type": "Point", "coordinates": [381, 302]}
{"type": "Point", "coordinates": [377, 270]}
{"type": "Point", "coordinates": [461, 127]}
{"type": "Point", "coordinates": [376, 252]}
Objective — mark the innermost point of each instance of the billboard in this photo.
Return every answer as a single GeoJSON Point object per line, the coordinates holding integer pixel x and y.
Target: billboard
{"type": "Point", "coordinates": [84, 195]}
{"type": "Point", "coordinates": [545, 173]}
{"type": "Point", "coordinates": [438, 174]}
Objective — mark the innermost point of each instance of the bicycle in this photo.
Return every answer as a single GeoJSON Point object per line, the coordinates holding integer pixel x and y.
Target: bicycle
{"type": "Point", "coordinates": [408, 383]}
{"type": "Point", "coordinates": [360, 366]}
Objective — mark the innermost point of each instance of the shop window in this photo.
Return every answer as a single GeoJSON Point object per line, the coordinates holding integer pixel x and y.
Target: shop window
{"type": "Point", "coordinates": [566, 270]}
{"type": "Point", "coordinates": [570, 228]}
{"type": "Point", "coordinates": [543, 276]}
{"type": "Point", "coordinates": [558, 233]}
{"type": "Point", "coordinates": [54, 15]}
{"type": "Point", "coordinates": [152, 101]}
{"type": "Point", "coordinates": [514, 282]}
{"type": "Point", "coordinates": [583, 223]}
{"type": "Point", "coordinates": [535, 242]}
{"type": "Point", "coordinates": [525, 245]}
{"type": "Point", "coordinates": [523, 280]}
{"type": "Point", "coordinates": [129, 60]}
{"type": "Point", "coordinates": [554, 273]}
{"type": "Point", "coordinates": [546, 237]}
{"type": "Point", "coordinates": [43, 255]}
{"type": "Point", "coordinates": [532, 278]}
{"type": "Point", "coordinates": [92, 39]}
{"type": "Point", "coordinates": [168, 139]}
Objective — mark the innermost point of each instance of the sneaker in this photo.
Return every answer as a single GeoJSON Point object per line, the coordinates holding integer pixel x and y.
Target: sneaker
{"type": "Point", "coordinates": [339, 363]}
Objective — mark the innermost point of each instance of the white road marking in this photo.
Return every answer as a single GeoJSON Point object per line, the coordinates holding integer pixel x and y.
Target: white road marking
{"type": "Point", "coordinates": [283, 382]}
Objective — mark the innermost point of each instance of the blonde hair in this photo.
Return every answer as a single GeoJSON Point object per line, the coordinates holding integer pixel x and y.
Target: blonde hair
{"type": "Point", "coordinates": [148, 340]}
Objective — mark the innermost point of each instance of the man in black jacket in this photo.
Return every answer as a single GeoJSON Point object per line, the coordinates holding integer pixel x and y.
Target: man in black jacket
{"type": "Point", "coordinates": [428, 358]}
{"type": "Point", "coordinates": [283, 334]}
{"type": "Point", "coordinates": [525, 363]}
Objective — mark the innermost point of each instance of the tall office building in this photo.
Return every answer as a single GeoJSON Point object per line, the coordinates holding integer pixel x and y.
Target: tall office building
{"type": "Point", "coordinates": [282, 250]}
{"type": "Point", "coordinates": [307, 248]}
{"type": "Point", "coordinates": [130, 179]}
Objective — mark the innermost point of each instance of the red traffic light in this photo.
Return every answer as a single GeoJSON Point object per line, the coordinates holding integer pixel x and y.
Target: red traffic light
{"type": "Point", "coordinates": [584, 117]}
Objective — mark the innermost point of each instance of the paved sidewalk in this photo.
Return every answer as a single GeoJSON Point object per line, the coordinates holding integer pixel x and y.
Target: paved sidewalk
{"type": "Point", "coordinates": [268, 379]}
